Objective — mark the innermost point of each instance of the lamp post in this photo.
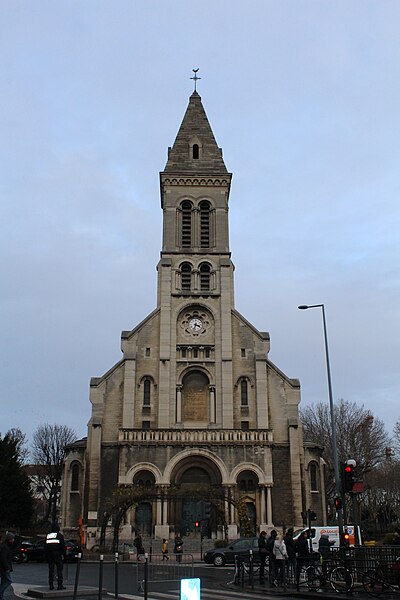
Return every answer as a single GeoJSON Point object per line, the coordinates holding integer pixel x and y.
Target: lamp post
{"type": "Point", "coordinates": [333, 426]}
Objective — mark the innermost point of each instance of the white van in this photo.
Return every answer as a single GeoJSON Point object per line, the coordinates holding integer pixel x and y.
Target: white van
{"type": "Point", "coordinates": [331, 531]}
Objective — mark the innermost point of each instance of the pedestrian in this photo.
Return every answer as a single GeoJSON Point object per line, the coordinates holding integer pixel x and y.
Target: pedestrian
{"type": "Point", "coordinates": [164, 549]}
{"type": "Point", "coordinates": [281, 555]}
{"type": "Point", "coordinates": [178, 547]}
{"type": "Point", "coordinates": [291, 552]}
{"type": "Point", "coordinates": [6, 563]}
{"type": "Point", "coordinates": [263, 552]}
{"type": "Point", "coordinates": [324, 548]}
{"type": "Point", "coordinates": [302, 554]}
{"type": "Point", "coordinates": [55, 554]}
{"type": "Point", "coordinates": [138, 543]}
{"type": "Point", "coordinates": [270, 550]}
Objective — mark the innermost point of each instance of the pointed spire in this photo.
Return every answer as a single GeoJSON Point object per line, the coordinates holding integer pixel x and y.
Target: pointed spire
{"type": "Point", "coordinates": [195, 150]}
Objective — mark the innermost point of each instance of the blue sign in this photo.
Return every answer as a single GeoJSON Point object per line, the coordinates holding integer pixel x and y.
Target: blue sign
{"type": "Point", "coordinates": [190, 589]}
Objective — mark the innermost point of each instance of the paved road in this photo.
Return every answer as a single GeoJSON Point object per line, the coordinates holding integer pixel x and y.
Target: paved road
{"type": "Point", "coordinates": [215, 583]}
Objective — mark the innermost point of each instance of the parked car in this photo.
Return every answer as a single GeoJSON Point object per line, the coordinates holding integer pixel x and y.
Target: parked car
{"type": "Point", "coordinates": [35, 551]}
{"type": "Point", "coordinates": [226, 555]}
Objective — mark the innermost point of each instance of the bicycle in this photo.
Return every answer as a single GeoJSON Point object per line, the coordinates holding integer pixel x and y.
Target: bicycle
{"type": "Point", "coordinates": [385, 578]}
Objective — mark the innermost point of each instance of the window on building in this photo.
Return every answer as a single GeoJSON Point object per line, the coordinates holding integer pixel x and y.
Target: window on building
{"type": "Point", "coordinates": [244, 399]}
{"type": "Point", "coordinates": [147, 351]}
{"type": "Point", "coordinates": [243, 352]}
{"type": "Point", "coordinates": [251, 485]}
{"type": "Point", "coordinates": [186, 276]}
{"type": "Point", "coordinates": [245, 425]}
{"type": "Point", "coordinates": [75, 478]}
{"type": "Point", "coordinates": [186, 224]}
{"type": "Point", "coordinates": [205, 271]}
{"type": "Point", "coordinates": [314, 477]}
{"type": "Point", "coordinates": [183, 352]}
{"type": "Point", "coordinates": [146, 392]}
{"type": "Point", "coordinates": [207, 352]}
{"type": "Point", "coordinates": [145, 424]}
{"type": "Point", "coordinates": [196, 151]}
{"type": "Point", "coordinates": [205, 214]}
{"type": "Point", "coordinates": [243, 485]}
{"type": "Point", "coordinates": [195, 353]}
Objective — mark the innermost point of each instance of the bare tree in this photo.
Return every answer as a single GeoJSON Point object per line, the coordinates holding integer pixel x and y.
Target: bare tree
{"type": "Point", "coordinates": [48, 452]}
{"type": "Point", "coordinates": [360, 435]}
{"type": "Point", "coordinates": [396, 438]}
{"type": "Point", "coordinates": [20, 443]}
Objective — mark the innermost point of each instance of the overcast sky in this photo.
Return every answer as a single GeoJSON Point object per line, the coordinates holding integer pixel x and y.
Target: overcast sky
{"type": "Point", "coordinates": [303, 97]}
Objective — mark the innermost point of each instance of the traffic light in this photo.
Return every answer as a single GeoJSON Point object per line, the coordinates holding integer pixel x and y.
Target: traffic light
{"type": "Point", "coordinates": [196, 524]}
{"type": "Point", "coordinates": [338, 503]}
{"type": "Point", "coordinates": [207, 510]}
{"type": "Point", "coordinates": [312, 515]}
{"type": "Point", "coordinates": [348, 476]}
{"type": "Point", "coordinates": [346, 538]}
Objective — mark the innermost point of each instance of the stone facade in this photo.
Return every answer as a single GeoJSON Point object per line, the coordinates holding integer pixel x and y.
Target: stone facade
{"type": "Point", "coordinates": [194, 404]}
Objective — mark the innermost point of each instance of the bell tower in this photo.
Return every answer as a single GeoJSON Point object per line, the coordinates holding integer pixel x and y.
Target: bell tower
{"type": "Point", "coordinates": [195, 277]}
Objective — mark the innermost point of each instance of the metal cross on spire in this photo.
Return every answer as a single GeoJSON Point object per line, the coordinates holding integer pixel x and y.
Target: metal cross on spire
{"type": "Point", "coordinates": [195, 78]}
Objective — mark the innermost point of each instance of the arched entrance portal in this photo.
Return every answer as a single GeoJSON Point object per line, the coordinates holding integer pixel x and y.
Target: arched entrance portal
{"type": "Point", "coordinates": [196, 477]}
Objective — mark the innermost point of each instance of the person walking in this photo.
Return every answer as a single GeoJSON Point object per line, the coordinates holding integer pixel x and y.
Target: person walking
{"type": "Point", "coordinates": [55, 554]}
{"type": "Point", "coordinates": [138, 543]}
{"type": "Point", "coordinates": [281, 555]}
{"type": "Point", "coordinates": [302, 554]}
{"type": "Point", "coordinates": [291, 552]}
{"type": "Point", "coordinates": [271, 557]}
{"type": "Point", "coordinates": [263, 553]}
{"type": "Point", "coordinates": [6, 563]}
{"type": "Point", "coordinates": [178, 547]}
{"type": "Point", "coordinates": [164, 549]}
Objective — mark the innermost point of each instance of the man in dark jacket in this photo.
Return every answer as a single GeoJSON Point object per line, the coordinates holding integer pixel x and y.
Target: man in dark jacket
{"type": "Point", "coordinates": [55, 554]}
{"type": "Point", "coordinates": [271, 556]}
{"type": "Point", "coordinates": [291, 552]}
{"type": "Point", "coordinates": [263, 552]}
{"type": "Point", "coordinates": [302, 553]}
{"type": "Point", "coordinates": [6, 563]}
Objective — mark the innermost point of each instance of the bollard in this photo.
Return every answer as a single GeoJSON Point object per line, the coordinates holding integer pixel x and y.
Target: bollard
{"type": "Point", "coordinates": [78, 568]}
{"type": "Point", "coordinates": [101, 576]}
{"type": "Point", "coordinates": [146, 577]}
{"type": "Point", "coordinates": [251, 569]}
{"type": "Point", "coordinates": [116, 576]}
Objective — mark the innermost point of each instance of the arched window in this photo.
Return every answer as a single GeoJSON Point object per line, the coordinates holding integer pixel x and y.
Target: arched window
{"type": "Point", "coordinates": [314, 477]}
{"type": "Point", "coordinates": [186, 276]}
{"type": "Point", "coordinates": [196, 151]}
{"type": "Point", "coordinates": [244, 398]}
{"type": "Point", "coordinates": [205, 212]}
{"type": "Point", "coordinates": [186, 224]}
{"type": "Point", "coordinates": [146, 392]}
{"type": "Point", "coordinates": [75, 477]}
{"type": "Point", "coordinates": [205, 271]}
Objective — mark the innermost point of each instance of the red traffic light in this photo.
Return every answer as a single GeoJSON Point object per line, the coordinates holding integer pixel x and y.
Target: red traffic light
{"type": "Point", "coordinates": [338, 503]}
{"type": "Point", "coordinates": [197, 524]}
{"type": "Point", "coordinates": [348, 468]}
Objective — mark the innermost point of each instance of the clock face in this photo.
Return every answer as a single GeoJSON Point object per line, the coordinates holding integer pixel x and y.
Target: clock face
{"type": "Point", "coordinates": [195, 324]}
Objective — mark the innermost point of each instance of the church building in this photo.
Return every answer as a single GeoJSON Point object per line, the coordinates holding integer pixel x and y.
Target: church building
{"type": "Point", "coordinates": [194, 421]}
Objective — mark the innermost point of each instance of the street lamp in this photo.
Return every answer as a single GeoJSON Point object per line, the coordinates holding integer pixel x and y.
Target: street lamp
{"type": "Point", "coordinates": [333, 426]}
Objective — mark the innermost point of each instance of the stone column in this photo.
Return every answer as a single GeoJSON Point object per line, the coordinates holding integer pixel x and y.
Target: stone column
{"type": "Point", "coordinates": [269, 507]}
{"type": "Point", "coordinates": [179, 404]}
{"type": "Point", "coordinates": [212, 403]}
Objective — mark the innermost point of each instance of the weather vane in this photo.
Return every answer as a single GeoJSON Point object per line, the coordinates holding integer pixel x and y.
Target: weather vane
{"type": "Point", "coordinates": [195, 78]}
